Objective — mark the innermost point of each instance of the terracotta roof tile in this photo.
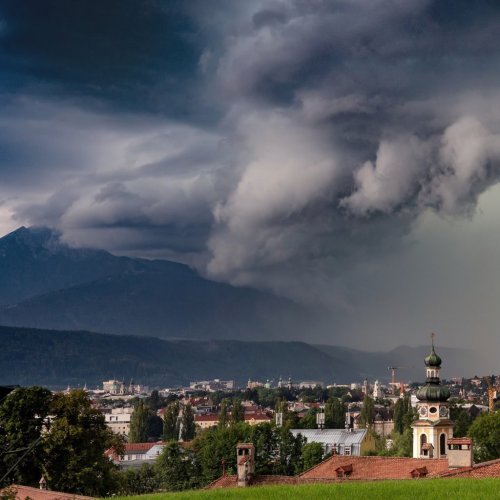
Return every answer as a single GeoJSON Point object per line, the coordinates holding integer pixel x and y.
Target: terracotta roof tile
{"type": "Point", "coordinates": [132, 449]}
{"type": "Point", "coordinates": [463, 440]}
{"type": "Point", "coordinates": [484, 469]}
{"type": "Point", "coordinates": [38, 494]}
{"type": "Point", "coordinates": [371, 468]}
{"type": "Point", "coordinates": [206, 418]}
{"type": "Point", "coordinates": [223, 482]}
{"type": "Point", "coordinates": [231, 481]}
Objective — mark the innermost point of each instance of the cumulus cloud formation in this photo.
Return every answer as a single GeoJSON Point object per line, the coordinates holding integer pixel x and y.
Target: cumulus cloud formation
{"type": "Point", "coordinates": [470, 155]}
{"type": "Point", "coordinates": [286, 144]}
{"type": "Point", "coordinates": [391, 180]}
{"type": "Point", "coordinates": [289, 169]}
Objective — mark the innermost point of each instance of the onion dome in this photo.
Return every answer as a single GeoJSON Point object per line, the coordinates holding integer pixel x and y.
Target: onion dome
{"type": "Point", "coordinates": [433, 360]}
{"type": "Point", "coordinates": [433, 392]}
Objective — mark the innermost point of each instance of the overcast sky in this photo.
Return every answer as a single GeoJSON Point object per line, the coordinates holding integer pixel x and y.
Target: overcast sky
{"type": "Point", "coordinates": [342, 153]}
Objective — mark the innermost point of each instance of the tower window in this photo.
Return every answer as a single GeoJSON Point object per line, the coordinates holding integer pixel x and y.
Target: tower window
{"type": "Point", "coordinates": [423, 440]}
{"type": "Point", "coordinates": [442, 444]}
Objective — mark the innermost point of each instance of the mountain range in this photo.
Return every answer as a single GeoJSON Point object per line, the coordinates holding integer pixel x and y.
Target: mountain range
{"type": "Point", "coordinates": [47, 284]}
{"type": "Point", "coordinates": [162, 323]}
{"type": "Point", "coordinates": [58, 358]}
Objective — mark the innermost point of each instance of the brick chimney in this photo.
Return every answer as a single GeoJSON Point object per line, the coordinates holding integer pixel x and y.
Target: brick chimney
{"type": "Point", "coordinates": [460, 452]}
{"type": "Point", "coordinates": [245, 462]}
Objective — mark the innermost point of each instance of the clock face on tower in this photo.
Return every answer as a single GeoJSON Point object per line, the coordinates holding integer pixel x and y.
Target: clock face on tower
{"type": "Point", "coordinates": [423, 411]}
{"type": "Point", "coordinates": [443, 411]}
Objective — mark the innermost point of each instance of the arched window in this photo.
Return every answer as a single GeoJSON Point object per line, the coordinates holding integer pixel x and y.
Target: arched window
{"type": "Point", "coordinates": [423, 440]}
{"type": "Point", "coordinates": [442, 444]}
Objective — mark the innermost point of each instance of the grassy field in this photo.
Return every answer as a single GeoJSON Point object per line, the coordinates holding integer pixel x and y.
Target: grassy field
{"type": "Point", "coordinates": [423, 489]}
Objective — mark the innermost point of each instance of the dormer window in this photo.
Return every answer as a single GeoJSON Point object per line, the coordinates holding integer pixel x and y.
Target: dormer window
{"type": "Point", "coordinates": [419, 472]}
{"type": "Point", "coordinates": [344, 471]}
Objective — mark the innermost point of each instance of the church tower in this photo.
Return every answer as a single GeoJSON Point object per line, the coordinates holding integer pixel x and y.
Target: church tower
{"type": "Point", "coordinates": [433, 428]}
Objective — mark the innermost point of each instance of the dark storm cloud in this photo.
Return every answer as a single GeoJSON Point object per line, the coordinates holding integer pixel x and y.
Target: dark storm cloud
{"type": "Point", "coordinates": [285, 144]}
{"type": "Point", "coordinates": [355, 115]}
{"type": "Point", "coordinates": [120, 54]}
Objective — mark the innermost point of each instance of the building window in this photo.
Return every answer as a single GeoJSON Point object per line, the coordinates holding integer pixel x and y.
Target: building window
{"type": "Point", "coordinates": [442, 444]}
{"type": "Point", "coordinates": [423, 440]}
{"type": "Point", "coordinates": [347, 450]}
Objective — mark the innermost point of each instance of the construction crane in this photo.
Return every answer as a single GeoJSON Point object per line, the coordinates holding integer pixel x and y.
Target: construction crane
{"type": "Point", "coordinates": [393, 373]}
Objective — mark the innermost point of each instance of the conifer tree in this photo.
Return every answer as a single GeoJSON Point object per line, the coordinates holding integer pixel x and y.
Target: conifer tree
{"type": "Point", "coordinates": [237, 413]}
{"type": "Point", "coordinates": [188, 425]}
{"type": "Point", "coordinates": [367, 412]}
{"type": "Point", "coordinates": [398, 417]}
{"type": "Point", "coordinates": [172, 470]}
{"type": "Point", "coordinates": [334, 414]}
{"type": "Point", "coordinates": [139, 424]}
{"type": "Point", "coordinates": [170, 422]}
{"type": "Point", "coordinates": [223, 414]}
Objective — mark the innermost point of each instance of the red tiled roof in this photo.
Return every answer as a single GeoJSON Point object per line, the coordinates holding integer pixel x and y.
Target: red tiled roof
{"type": "Point", "coordinates": [232, 482]}
{"type": "Point", "coordinates": [38, 494]}
{"type": "Point", "coordinates": [223, 482]}
{"type": "Point", "coordinates": [370, 468]}
{"type": "Point", "coordinates": [206, 418]}
{"type": "Point", "coordinates": [268, 480]}
{"type": "Point", "coordinates": [463, 440]}
{"type": "Point", "coordinates": [257, 416]}
{"type": "Point", "coordinates": [484, 469]}
{"type": "Point", "coordinates": [138, 447]}
{"type": "Point", "coordinates": [132, 449]}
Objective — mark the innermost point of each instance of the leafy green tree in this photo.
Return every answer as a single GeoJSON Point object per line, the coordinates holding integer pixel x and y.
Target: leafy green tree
{"type": "Point", "coordinates": [462, 422]}
{"type": "Point", "coordinates": [170, 422]}
{"type": "Point", "coordinates": [308, 421]}
{"type": "Point", "coordinates": [367, 412]}
{"type": "Point", "coordinates": [265, 442]}
{"type": "Point", "coordinates": [139, 424]}
{"type": "Point", "coordinates": [23, 415]}
{"type": "Point", "coordinates": [485, 431]}
{"type": "Point", "coordinates": [237, 413]}
{"type": "Point", "coordinates": [155, 426]}
{"type": "Point", "coordinates": [288, 460]}
{"type": "Point", "coordinates": [312, 454]}
{"type": "Point", "coordinates": [337, 392]}
{"type": "Point", "coordinates": [75, 446]}
{"type": "Point", "coordinates": [291, 420]}
{"type": "Point", "coordinates": [380, 444]}
{"type": "Point", "coordinates": [154, 401]}
{"type": "Point", "coordinates": [173, 468]}
{"type": "Point", "coordinates": [216, 446]}
{"type": "Point", "coordinates": [188, 425]}
{"type": "Point", "coordinates": [402, 444]}
{"type": "Point", "coordinates": [138, 481]}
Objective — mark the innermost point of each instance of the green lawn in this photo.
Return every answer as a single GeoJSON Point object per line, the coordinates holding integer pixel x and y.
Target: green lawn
{"type": "Point", "coordinates": [422, 489]}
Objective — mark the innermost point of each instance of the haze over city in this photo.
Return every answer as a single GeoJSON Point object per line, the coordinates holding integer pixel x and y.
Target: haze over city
{"type": "Point", "coordinates": [344, 155]}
